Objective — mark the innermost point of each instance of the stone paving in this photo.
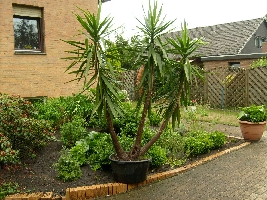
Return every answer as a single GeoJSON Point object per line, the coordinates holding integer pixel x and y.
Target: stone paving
{"type": "Point", "coordinates": [238, 175]}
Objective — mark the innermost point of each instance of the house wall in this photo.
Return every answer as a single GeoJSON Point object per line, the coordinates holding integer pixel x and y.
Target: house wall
{"type": "Point", "coordinates": [244, 63]}
{"type": "Point", "coordinates": [264, 47]}
{"type": "Point", "coordinates": [40, 74]}
{"type": "Point", "coordinates": [250, 45]}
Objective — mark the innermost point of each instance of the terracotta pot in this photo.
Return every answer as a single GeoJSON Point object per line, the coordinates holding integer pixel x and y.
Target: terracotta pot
{"type": "Point", "coordinates": [252, 131]}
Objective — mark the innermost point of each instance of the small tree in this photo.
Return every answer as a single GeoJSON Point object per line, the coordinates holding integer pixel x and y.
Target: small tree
{"type": "Point", "coordinates": [92, 60]}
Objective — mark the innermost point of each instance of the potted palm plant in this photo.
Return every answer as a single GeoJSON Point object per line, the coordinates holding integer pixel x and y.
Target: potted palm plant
{"type": "Point", "coordinates": [91, 62]}
{"type": "Point", "coordinates": [252, 121]}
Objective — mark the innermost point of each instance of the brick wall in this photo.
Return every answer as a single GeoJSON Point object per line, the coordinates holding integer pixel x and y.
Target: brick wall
{"type": "Point", "coordinates": [40, 75]}
{"type": "Point", "coordinates": [264, 47]}
{"type": "Point", "coordinates": [245, 63]}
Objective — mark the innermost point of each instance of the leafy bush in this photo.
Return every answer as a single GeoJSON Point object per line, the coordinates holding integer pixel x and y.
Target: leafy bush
{"type": "Point", "coordinates": [50, 109]}
{"type": "Point", "coordinates": [253, 114]}
{"type": "Point", "coordinates": [128, 123]}
{"type": "Point", "coordinates": [201, 142]}
{"type": "Point", "coordinates": [7, 154]}
{"type": "Point", "coordinates": [218, 139]}
{"type": "Point", "coordinates": [77, 104]}
{"type": "Point", "coordinates": [79, 152]}
{"type": "Point", "coordinates": [154, 119]}
{"type": "Point", "coordinates": [8, 189]}
{"type": "Point", "coordinates": [73, 131]}
{"type": "Point", "coordinates": [261, 62]}
{"type": "Point", "coordinates": [100, 148]}
{"type": "Point", "coordinates": [67, 167]}
{"type": "Point", "coordinates": [25, 133]}
{"type": "Point", "coordinates": [62, 109]}
{"type": "Point", "coordinates": [173, 142]}
{"type": "Point", "coordinates": [158, 156]}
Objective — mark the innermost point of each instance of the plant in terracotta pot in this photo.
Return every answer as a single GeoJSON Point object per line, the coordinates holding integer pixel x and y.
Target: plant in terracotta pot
{"type": "Point", "coordinates": [252, 121]}
{"type": "Point", "coordinates": [91, 62]}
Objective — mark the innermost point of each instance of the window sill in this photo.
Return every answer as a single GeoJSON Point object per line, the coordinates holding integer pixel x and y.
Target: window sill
{"type": "Point", "coordinates": [19, 52]}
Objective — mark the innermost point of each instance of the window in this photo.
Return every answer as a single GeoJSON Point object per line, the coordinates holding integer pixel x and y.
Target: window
{"type": "Point", "coordinates": [258, 42]}
{"type": "Point", "coordinates": [234, 66]}
{"type": "Point", "coordinates": [27, 23]}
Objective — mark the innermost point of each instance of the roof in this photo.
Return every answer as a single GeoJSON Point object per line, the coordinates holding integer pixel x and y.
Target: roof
{"type": "Point", "coordinates": [224, 39]}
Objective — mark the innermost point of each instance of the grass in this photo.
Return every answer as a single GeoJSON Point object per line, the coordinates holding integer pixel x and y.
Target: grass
{"type": "Point", "coordinates": [215, 116]}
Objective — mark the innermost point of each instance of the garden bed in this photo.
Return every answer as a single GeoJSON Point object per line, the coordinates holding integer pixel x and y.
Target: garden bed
{"type": "Point", "coordinates": [39, 175]}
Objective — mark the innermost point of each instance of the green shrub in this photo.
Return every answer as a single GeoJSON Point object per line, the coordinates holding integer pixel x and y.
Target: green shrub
{"type": "Point", "coordinates": [7, 154]}
{"type": "Point", "coordinates": [77, 104]}
{"type": "Point", "coordinates": [100, 148]}
{"type": "Point", "coordinates": [50, 109]}
{"type": "Point", "coordinates": [261, 62]}
{"type": "Point", "coordinates": [201, 142]}
{"type": "Point", "coordinates": [154, 119]}
{"type": "Point", "coordinates": [218, 139]}
{"type": "Point", "coordinates": [8, 189]}
{"type": "Point", "coordinates": [94, 121]}
{"type": "Point", "coordinates": [25, 133]}
{"type": "Point", "coordinates": [79, 152]}
{"type": "Point", "coordinates": [126, 142]}
{"type": "Point", "coordinates": [62, 109]}
{"type": "Point", "coordinates": [158, 156]}
{"type": "Point", "coordinates": [73, 131]}
{"type": "Point", "coordinates": [128, 123]}
{"type": "Point", "coordinates": [253, 114]}
{"type": "Point", "coordinates": [67, 167]}
{"type": "Point", "coordinates": [173, 142]}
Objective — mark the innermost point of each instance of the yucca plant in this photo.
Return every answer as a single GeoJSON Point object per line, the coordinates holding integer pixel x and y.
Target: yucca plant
{"type": "Point", "coordinates": [91, 63]}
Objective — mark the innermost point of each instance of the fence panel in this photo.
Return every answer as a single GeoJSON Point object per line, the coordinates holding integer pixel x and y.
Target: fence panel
{"type": "Point", "coordinates": [235, 90]}
{"type": "Point", "coordinates": [257, 86]}
{"type": "Point", "coordinates": [198, 90]}
{"type": "Point", "coordinates": [128, 83]}
{"type": "Point", "coordinates": [222, 87]}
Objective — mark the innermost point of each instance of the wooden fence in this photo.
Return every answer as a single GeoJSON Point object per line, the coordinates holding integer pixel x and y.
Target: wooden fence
{"type": "Point", "coordinates": [226, 88]}
{"type": "Point", "coordinates": [221, 88]}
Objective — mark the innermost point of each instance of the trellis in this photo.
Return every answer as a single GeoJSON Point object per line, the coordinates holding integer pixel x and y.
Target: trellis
{"type": "Point", "coordinates": [221, 88]}
{"type": "Point", "coordinates": [226, 88]}
{"type": "Point", "coordinates": [128, 82]}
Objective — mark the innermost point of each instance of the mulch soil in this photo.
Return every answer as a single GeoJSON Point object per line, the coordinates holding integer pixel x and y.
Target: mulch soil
{"type": "Point", "coordinates": [39, 175]}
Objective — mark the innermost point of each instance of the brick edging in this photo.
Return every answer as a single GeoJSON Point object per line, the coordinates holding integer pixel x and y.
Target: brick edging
{"type": "Point", "coordinates": [89, 192]}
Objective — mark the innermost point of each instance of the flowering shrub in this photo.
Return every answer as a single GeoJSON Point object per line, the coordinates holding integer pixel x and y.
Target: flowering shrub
{"type": "Point", "coordinates": [192, 102]}
{"type": "Point", "coordinates": [20, 130]}
{"type": "Point", "coordinates": [7, 154]}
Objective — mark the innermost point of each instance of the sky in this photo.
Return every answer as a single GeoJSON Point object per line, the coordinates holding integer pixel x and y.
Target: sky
{"type": "Point", "coordinates": [196, 13]}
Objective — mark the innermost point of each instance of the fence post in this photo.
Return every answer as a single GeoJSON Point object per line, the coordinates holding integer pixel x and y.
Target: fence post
{"type": "Point", "coordinates": [206, 88]}
{"type": "Point", "coordinates": [246, 87]}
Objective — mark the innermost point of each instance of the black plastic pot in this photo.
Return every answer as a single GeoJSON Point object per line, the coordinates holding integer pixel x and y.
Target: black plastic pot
{"type": "Point", "coordinates": [129, 171]}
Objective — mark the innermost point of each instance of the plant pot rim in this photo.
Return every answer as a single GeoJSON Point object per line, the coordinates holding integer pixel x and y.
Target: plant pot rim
{"type": "Point", "coordinates": [247, 122]}
{"type": "Point", "coordinates": [128, 161]}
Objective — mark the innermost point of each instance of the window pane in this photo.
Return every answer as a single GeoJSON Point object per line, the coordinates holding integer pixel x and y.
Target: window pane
{"type": "Point", "coordinates": [26, 33]}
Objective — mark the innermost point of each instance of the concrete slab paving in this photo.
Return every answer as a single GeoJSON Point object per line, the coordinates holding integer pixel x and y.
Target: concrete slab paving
{"type": "Point", "coordinates": [238, 175]}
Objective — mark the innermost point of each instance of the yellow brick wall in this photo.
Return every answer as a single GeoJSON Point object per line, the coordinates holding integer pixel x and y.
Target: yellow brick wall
{"type": "Point", "coordinates": [40, 75]}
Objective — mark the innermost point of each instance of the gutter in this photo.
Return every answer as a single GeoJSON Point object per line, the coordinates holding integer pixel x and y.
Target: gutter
{"type": "Point", "coordinates": [234, 57]}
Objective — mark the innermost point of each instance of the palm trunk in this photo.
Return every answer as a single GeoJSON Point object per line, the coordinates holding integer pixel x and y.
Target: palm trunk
{"type": "Point", "coordinates": [135, 151]}
{"type": "Point", "coordinates": [162, 127]}
{"type": "Point", "coordinates": [119, 150]}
